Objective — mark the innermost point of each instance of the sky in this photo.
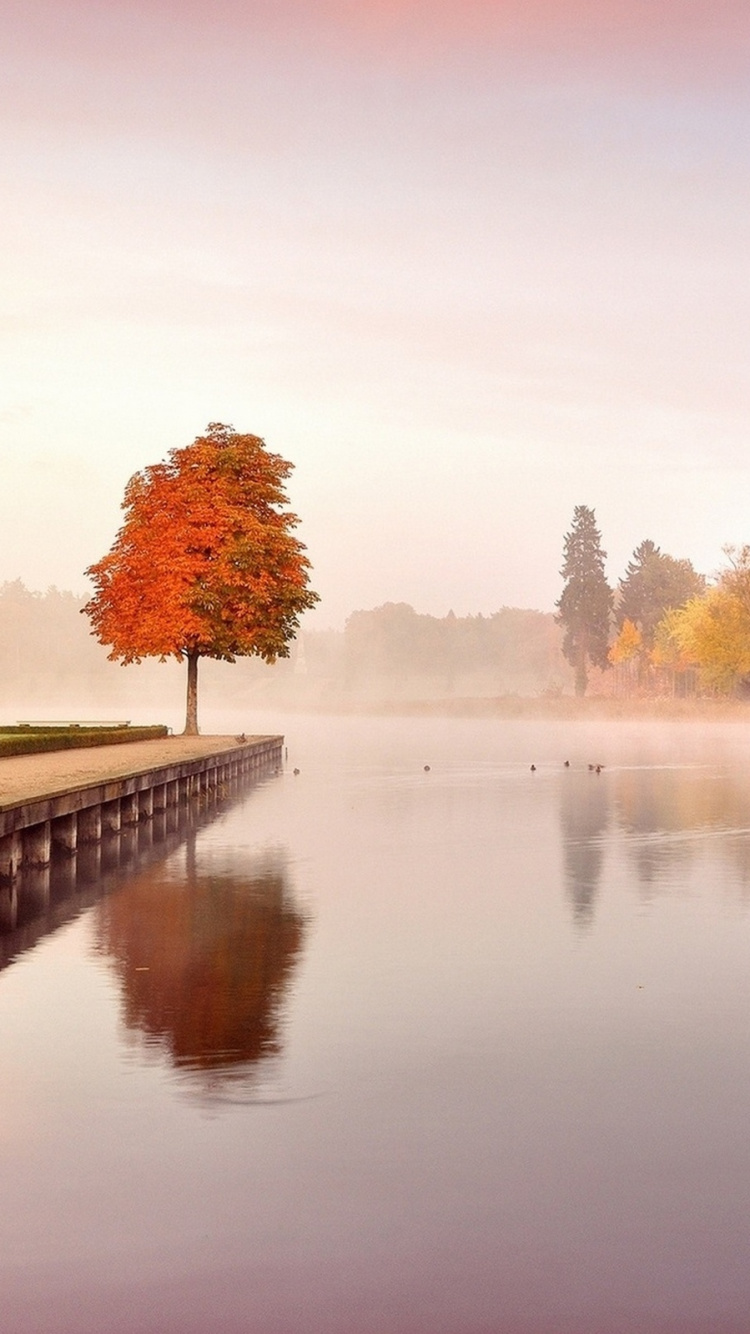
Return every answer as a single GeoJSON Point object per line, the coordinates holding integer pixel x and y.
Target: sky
{"type": "Point", "coordinates": [467, 264]}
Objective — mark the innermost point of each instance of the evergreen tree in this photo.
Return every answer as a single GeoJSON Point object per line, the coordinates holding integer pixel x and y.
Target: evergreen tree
{"type": "Point", "coordinates": [585, 604]}
{"type": "Point", "coordinates": [655, 583]}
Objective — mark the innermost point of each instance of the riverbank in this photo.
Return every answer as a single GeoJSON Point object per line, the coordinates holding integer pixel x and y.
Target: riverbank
{"type": "Point", "coordinates": [568, 708]}
{"type": "Point", "coordinates": [556, 708]}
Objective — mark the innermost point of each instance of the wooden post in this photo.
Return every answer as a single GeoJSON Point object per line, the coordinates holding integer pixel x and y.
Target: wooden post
{"type": "Point", "coordinates": [111, 822]}
{"type": "Point", "coordinates": [129, 809]}
{"type": "Point", "coordinates": [11, 848]}
{"type": "Point", "coordinates": [90, 825]}
{"type": "Point", "coordinates": [37, 844]}
{"type": "Point", "coordinates": [65, 832]}
{"type": "Point", "coordinates": [146, 803]}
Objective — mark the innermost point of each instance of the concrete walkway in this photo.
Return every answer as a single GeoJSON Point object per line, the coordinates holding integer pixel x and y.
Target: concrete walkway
{"type": "Point", "coordinates": [29, 777]}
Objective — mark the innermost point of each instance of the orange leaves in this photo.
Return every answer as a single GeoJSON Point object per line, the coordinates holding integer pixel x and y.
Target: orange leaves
{"type": "Point", "coordinates": [205, 561]}
{"type": "Point", "coordinates": [628, 643]}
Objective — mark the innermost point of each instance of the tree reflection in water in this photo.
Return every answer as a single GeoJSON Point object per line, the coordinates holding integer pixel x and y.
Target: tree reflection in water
{"type": "Point", "coordinates": [662, 817]}
{"type": "Point", "coordinates": [584, 816]}
{"type": "Point", "coordinates": [204, 958]}
{"type": "Point", "coordinates": [656, 809]}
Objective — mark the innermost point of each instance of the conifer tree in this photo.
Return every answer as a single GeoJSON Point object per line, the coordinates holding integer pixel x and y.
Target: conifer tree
{"type": "Point", "coordinates": [654, 583]}
{"type": "Point", "coordinates": [585, 604]}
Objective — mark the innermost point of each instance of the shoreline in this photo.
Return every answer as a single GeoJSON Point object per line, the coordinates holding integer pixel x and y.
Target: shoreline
{"type": "Point", "coordinates": [565, 708]}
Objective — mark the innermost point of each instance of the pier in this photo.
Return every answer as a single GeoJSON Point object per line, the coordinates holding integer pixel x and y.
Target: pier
{"type": "Point", "coordinates": [61, 801]}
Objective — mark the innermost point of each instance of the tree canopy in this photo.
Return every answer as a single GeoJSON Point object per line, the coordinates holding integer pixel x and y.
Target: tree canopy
{"type": "Point", "coordinates": [206, 563]}
{"type": "Point", "coordinates": [712, 632]}
{"type": "Point", "coordinates": [628, 643]}
{"type": "Point", "coordinates": [654, 583]}
{"type": "Point", "coordinates": [585, 604]}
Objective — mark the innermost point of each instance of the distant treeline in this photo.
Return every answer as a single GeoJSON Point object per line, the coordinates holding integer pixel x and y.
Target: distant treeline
{"type": "Point", "coordinates": [48, 656]}
{"type": "Point", "coordinates": [511, 651]}
{"type": "Point", "coordinates": [45, 643]}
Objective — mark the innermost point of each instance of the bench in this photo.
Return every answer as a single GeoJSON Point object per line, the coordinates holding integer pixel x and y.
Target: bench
{"type": "Point", "coordinates": [45, 726]}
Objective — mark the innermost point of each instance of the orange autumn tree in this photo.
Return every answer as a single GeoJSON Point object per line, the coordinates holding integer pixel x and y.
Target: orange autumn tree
{"type": "Point", "coordinates": [205, 564]}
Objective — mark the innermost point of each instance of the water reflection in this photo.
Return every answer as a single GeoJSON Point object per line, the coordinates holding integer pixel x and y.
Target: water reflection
{"type": "Point", "coordinates": [584, 817]}
{"type": "Point", "coordinates": [42, 899]}
{"type": "Point", "coordinates": [661, 817]}
{"type": "Point", "coordinates": [204, 955]}
{"type": "Point", "coordinates": [653, 807]}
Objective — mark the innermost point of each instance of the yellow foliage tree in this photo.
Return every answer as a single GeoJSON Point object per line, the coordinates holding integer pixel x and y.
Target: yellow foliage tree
{"type": "Point", "coordinates": [628, 643]}
{"type": "Point", "coordinates": [710, 632]}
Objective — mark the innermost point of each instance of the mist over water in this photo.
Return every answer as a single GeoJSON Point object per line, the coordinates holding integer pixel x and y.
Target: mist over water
{"type": "Point", "coordinates": [376, 1046]}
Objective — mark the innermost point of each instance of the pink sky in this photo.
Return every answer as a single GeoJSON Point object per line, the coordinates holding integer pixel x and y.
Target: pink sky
{"type": "Point", "coordinates": [466, 265]}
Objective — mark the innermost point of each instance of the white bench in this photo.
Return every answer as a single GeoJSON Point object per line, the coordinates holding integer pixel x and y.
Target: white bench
{"type": "Point", "coordinates": [57, 724]}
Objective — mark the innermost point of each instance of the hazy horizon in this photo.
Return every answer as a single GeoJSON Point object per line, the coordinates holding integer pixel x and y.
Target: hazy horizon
{"type": "Point", "coordinates": [465, 265]}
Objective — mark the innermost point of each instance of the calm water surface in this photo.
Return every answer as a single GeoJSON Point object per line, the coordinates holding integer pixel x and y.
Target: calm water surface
{"type": "Point", "coordinates": [388, 1051]}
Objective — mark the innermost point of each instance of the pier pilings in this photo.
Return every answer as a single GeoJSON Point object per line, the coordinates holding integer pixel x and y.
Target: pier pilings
{"type": "Point", "coordinates": [30, 831]}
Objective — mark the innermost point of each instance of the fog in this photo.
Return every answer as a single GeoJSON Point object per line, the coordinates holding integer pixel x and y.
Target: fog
{"type": "Point", "coordinates": [51, 667]}
{"type": "Point", "coordinates": [466, 265]}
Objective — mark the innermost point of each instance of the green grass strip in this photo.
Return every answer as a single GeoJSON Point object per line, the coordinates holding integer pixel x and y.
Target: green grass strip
{"type": "Point", "coordinates": [29, 741]}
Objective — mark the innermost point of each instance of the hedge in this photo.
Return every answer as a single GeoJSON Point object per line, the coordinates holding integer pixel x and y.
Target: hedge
{"type": "Point", "coordinates": [30, 741]}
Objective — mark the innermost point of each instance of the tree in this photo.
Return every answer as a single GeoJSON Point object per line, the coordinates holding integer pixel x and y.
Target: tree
{"type": "Point", "coordinates": [654, 583]}
{"type": "Point", "coordinates": [626, 656]}
{"type": "Point", "coordinates": [627, 645]}
{"type": "Point", "coordinates": [585, 604]}
{"type": "Point", "coordinates": [736, 578]}
{"type": "Point", "coordinates": [712, 632]}
{"type": "Point", "coordinates": [205, 564]}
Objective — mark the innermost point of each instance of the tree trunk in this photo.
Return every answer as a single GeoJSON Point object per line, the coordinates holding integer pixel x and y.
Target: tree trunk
{"type": "Point", "coordinates": [582, 676]}
{"type": "Point", "coordinates": [191, 715]}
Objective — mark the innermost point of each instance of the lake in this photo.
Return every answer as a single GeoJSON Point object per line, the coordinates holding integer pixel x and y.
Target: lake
{"type": "Point", "coordinates": [382, 1048]}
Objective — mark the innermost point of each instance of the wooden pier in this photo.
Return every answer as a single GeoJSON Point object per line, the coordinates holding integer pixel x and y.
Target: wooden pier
{"type": "Point", "coordinates": [59, 802]}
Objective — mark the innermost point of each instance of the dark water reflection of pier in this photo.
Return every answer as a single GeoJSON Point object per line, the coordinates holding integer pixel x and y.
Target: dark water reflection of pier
{"type": "Point", "coordinates": [202, 953]}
